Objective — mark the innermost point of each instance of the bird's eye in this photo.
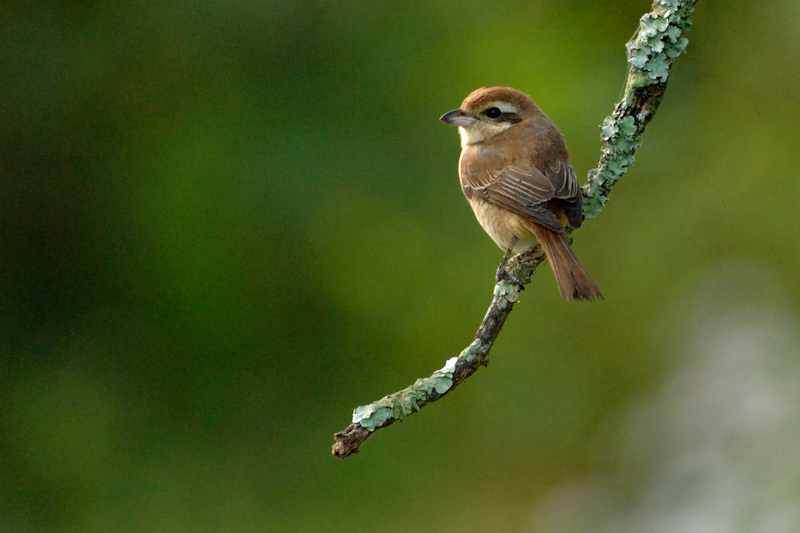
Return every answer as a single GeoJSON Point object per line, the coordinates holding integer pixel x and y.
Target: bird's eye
{"type": "Point", "coordinates": [493, 112]}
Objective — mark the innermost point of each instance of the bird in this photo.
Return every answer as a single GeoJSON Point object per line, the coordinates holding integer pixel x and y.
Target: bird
{"type": "Point", "coordinates": [516, 174]}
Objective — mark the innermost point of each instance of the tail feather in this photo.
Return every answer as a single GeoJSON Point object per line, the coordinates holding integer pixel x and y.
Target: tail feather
{"type": "Point", "coordinates": [573, 281]}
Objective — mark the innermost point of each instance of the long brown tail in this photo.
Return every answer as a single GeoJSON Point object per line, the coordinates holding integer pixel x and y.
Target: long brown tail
{"type": "Point", "coordinates": [573, 281]}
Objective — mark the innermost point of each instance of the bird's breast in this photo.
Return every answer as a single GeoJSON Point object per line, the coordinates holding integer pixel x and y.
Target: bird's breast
{"type": "Point", "coordinates": [506, 229]}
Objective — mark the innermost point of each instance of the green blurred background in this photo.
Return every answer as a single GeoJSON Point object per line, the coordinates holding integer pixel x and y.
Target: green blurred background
{"type": "Point", "coordinates": [224, 225]}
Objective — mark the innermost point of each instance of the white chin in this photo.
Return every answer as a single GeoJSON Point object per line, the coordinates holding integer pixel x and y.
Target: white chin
{"type": "Point", "coordinates": [469, 136]}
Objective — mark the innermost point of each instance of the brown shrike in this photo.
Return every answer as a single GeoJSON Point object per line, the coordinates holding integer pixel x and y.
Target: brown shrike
{"type": "Point", "coordinates": [515, 172]}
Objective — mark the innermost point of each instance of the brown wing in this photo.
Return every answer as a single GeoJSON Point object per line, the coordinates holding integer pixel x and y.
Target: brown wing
{"type": "Point", "coordinates": [568, 193]}
{"type": "Point", "coordinates": [523, 189]}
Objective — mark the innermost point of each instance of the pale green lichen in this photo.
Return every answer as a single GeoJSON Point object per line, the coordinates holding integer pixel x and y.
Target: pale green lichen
{"type": "Point", "coordinates": [442, 379]}
{"type": "Point", "coordinates": [403, 403]}
{"type": "Point", "coordinates": [657, 42]}
{"type": "Point", "coordinates": [468, 354]}
{"type": "Point", "coordinates": [506, 294]}
{"type": "Point", "coordinates": [621, 141]}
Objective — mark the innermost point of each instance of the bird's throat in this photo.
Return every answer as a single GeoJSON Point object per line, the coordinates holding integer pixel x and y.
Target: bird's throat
{"type": "Point", "coordinates": [469, 135]}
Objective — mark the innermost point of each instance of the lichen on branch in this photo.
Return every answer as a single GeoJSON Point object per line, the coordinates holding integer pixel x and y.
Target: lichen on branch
{"type": "Point", "coordinates": [658, 40]}
{"type": "Point", "coordinates": [396, 406]}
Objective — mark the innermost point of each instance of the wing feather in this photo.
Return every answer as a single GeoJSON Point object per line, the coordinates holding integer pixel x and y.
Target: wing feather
{"type": "Point", "coordinates": [527, 191]}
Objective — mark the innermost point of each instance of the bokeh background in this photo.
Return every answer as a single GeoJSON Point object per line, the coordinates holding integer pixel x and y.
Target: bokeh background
{"type": "Point", "coordinates": [224, 225]}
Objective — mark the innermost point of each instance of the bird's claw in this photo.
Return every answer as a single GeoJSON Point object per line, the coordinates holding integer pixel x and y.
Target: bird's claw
{"type": "Point", "coordinates": [504, 275]}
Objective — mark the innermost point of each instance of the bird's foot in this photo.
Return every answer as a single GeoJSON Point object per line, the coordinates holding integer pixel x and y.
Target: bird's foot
{"type": "Point", "coordinates": [504, 275]}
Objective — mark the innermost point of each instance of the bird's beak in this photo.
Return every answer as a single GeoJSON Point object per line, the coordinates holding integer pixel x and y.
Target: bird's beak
{"type": "Point", "coordinates": [456, 117]}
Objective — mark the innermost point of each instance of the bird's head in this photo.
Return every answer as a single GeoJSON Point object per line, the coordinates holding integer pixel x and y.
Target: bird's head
{"type": "Point", "coordinates": [489, 111]}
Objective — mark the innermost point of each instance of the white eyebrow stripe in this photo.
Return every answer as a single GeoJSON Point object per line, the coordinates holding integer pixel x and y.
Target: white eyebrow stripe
{"type": "Point", "coordinates": [505, 107]}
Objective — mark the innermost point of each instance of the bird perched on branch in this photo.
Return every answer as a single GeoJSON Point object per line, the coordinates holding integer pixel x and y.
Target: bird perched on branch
{"type": "Point", "coordinates": [516, 174]}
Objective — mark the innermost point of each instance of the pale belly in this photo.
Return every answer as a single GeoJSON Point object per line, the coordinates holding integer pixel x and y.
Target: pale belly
{"type": "Point", "coordinates": [506, 229]}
